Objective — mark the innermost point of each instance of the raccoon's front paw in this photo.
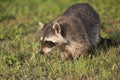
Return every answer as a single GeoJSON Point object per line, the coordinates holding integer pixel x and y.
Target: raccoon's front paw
{"type": "Point", "coordinates": [64, 56]}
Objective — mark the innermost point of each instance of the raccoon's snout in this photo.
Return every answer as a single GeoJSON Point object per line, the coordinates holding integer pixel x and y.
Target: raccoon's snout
{"type": "Point", "coordinates": [41, 52]}
{"type": "Point", "coordinates": [45, 50]}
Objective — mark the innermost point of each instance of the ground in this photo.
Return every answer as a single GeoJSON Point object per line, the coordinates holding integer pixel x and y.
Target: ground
{"type": "Point", "coordinates": [19, 42]}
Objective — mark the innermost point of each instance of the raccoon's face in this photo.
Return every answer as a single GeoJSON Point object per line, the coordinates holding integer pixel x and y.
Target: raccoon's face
{"type": "Point", "coordinates": [51, 36]}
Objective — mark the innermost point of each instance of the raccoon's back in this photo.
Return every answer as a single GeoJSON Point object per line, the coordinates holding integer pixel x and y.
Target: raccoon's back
{"type": "Point", "coordinates": [88, 18]}
{"type": "Point", "coordinates": [83, 11]}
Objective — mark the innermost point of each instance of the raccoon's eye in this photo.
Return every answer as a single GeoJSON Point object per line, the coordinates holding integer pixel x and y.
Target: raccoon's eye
{"type": "Point", "coordinates": [50, 43]}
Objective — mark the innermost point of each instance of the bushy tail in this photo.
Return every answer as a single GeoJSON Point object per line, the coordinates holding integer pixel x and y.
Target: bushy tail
{"type": "Point", "coordinates": [105, 43]}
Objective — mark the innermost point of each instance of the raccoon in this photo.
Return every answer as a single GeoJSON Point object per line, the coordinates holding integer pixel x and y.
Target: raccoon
{"type": "Point", "coordinates": [72, 33]}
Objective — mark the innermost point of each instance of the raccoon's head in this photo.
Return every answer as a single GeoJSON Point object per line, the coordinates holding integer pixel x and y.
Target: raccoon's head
{"type": "Point", "coordinates": [51, 36]}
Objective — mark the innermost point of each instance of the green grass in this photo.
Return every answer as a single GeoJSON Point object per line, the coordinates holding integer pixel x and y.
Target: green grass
{"type": "Point", "coordinates": [19, 42]}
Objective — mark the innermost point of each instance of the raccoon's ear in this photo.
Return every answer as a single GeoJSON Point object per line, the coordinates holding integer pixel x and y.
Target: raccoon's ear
{"type": "Point", "coordinates": [57, 27]}
{"type": "Point", "coordinates": [41, 24]}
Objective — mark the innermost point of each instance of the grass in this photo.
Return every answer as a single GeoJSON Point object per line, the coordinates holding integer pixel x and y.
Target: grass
{"type": "Point", "coordinates": [19, 42]}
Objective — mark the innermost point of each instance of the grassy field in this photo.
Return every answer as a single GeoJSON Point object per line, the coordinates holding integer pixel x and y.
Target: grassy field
{"type": "Point", "coordinates": [19, 42]}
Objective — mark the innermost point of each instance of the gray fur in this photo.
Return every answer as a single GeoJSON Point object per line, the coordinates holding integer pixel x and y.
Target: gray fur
{"type": "Point", "coordinates": [79, 26]}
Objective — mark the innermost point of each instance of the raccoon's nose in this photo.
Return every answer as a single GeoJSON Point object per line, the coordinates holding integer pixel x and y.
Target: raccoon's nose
{"type": "Point", "coordinates": [41, 52]}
